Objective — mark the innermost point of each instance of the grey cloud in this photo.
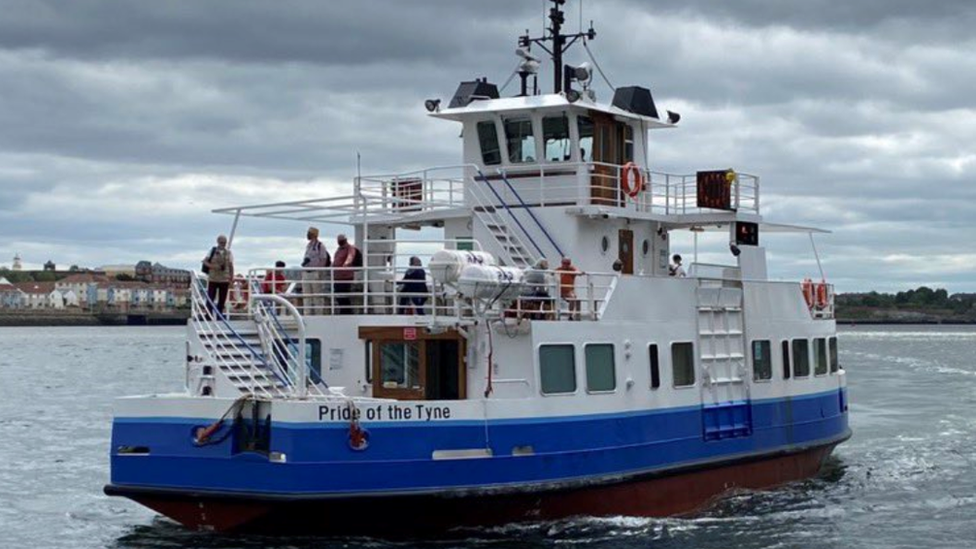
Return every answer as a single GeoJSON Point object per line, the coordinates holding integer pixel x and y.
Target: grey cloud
{"type": "Point", "coordinates": [858, 117]}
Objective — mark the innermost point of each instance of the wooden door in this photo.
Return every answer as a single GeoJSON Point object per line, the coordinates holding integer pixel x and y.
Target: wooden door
{"type": "Point", "coordinates": [604, 181]}
{"type": "Point", "coordinates": [409, 363]}
{"type": "Point", "coordinates": [625, 250]}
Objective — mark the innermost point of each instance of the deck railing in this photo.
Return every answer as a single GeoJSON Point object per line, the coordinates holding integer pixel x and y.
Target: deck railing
{"type": "Point", "coordinates": [381, 291]}
{"type": "Point", "coordinates": [552, 184]}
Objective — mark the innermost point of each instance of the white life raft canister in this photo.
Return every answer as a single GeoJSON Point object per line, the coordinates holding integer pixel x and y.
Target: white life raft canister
{"type": "Point", "coordinates": [445, 265]}
{"type": "Point", "coordinates": [490, 282]}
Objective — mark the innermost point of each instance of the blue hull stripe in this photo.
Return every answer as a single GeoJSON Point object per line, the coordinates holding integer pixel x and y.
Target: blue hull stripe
{"type": "Point", "coordinates": [399, 457]}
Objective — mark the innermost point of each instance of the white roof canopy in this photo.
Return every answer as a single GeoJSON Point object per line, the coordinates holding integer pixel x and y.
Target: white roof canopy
{"type": "Point", "coordinates": [539, 102]}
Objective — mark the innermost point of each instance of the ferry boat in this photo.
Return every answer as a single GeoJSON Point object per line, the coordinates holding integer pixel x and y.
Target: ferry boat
{"type": "Point", "coordinates": [544, 360]}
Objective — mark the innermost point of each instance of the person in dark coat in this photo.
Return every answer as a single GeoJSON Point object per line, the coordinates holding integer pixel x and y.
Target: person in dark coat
{"type": "Point", "coordinates": [414, 286]}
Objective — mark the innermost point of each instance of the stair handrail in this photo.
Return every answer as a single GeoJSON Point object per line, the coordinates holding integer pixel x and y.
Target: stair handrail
{"type": "Point", "coordinates": [201, 297]}
{"type": "Point", "coordinates": [508, 209]}
{"type": "Point", "coordinates": [258, 313]}
{"type": "Point", "coordinates": [301, 363]}
{"type": "Point", "coordinates": [277, 331]}
{"type": "Point", "coordinates": [501, 172]}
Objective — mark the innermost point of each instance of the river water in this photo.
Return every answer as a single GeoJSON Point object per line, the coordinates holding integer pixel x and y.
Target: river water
{"type": "Point", "coordinates": [906, 479]}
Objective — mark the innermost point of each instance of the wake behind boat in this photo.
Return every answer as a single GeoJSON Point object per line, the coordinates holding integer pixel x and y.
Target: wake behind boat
{"type": "Point", "coordinates": [463, 381]}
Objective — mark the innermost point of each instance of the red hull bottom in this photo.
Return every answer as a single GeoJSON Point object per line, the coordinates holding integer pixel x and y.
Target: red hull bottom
{"type": "Point", "coordinates": [432, 515]}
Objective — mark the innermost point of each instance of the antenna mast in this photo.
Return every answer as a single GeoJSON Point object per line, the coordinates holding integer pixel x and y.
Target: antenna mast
{"type": "Point", "coordinates": [560, 42]}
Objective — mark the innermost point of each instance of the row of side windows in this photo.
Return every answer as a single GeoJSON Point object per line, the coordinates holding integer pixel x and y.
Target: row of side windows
{"type": "Point", "coordinates": [557, 367]}
{"type": "Point", "coordinates": [795, 358]}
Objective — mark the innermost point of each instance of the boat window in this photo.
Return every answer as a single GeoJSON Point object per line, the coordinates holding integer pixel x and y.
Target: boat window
{"type": "Point", "coordinates": [786, 359]}
{"type": "Point", "coordinates": [655, 368]}
{"type": "Point", "coordinates": [585, 126]}
{"type": "Point", "coordinates": [628, 144]}
{"type": "Point", "coordinates": [683, 364]}
{"type": "Point", "coordinates": [555, 136]}
{"type": "Point", "coordinates": [820, 356]}
{"type": "Point", "coordinates": [801, 358]}
{"type": "Point", "coordinates": [400, 365]}
{"type": "Point", "coordinates": [762, 363]}
{"type": "Point", "coordinates": [521, 140]}
{"type": "Point", "coordinates": [600, 375]}
{"type": "Point", "coordinates": [313, 353]}
{"type": "Point", "coordinates": [834, 363]}
{"type": "Point", "coordinates": [491, 153]}
{"type": "Point", "coordinates": [368, 363]}
{"type": "Point", "coordinates": [557, 369]}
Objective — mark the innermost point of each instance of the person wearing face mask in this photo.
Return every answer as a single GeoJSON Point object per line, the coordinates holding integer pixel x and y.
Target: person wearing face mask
{"type": "Point", "coordinates": [316, 258]}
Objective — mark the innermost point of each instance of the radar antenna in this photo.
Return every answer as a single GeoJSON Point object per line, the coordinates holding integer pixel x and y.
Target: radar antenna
{"type": "Point", "coordinates": [560, 42]}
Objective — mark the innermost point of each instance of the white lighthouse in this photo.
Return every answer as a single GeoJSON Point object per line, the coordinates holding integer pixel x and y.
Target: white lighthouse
{"type": "Point", "coordinates": [18, 266]}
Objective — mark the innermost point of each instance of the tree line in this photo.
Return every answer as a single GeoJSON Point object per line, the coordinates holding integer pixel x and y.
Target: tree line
{"type": "Point", "coordinates": [921, 298]}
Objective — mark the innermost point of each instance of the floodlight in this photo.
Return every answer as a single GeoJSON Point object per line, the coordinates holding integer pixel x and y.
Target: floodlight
{"type": "Point", "coordinates": [432, 105]}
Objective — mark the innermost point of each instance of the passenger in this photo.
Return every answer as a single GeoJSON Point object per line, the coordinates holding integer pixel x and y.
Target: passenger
{"type": "Point", "coordinates": [567, 286]}
{"type": "Point", "coordinates": [219, 266]}
{"type": "Point", "coordinates": [316, 259]}
{"type": "Point", "coordinates": [274, 280]}
{"type": "Point", "coordinates": [347, 258]}
{"type": "Point", "coordinates": [536, 293]}
{"type": "Point", "coordinates": [676, 270]}
{"type": "Point", "coordinates": [241, 293]}
{"type": "Point", "coordinates": [414, 285]}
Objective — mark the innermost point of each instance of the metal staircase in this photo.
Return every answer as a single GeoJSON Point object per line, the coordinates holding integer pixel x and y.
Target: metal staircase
{"type": "Point", "coordinates": [509, 247]}
{"type": "Point", "coordinates": [726, 411]}
{"type": "Point", "coordinates": [258, 355]}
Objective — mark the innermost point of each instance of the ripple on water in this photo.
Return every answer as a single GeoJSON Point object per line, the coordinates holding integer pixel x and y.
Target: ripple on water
{"type": "Point", "coordinates": [905, 479]}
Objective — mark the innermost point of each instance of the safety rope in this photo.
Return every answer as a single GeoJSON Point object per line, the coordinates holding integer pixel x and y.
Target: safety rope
{"type": "Point", "coordinates": [586, 47]}
{"type": "Point", "coordinates": [491, 353]}
{"type": "Point", "coordinates": [203, 435]}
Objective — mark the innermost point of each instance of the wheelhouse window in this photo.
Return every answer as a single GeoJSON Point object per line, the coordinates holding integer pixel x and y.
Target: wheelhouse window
{"type": "Point", "coordinates": [491, 153]}
{"type": "Point", "coordinates": [683, 364]}
{"type": "Point", "coordinates": [400, 365]}
{"type": "Point", "coordinates": [557, 369]}
{"type": "Point", "coordinates": [585, 126]}
{"type": "Point", "coordinates": [762, 363]}
{"type": "Point", "coordinates": [628, 139]}
{"type": "Point", "coordinates": [834, 363]}
{"type": "Point", "coordinates": [555, 137]}
{"type": "Point", "coordinates": [655, 367]}
{"type": "Point", "coordinates": [520, 140]}
{"type": "Point", "coordinates": [801, 358]}
{"type": "Point", "coordinates": [820, 356]}
{"type": "Point", "coordinates": [786, 359]}
{"type": "Point", "coordinates": [600, 374]}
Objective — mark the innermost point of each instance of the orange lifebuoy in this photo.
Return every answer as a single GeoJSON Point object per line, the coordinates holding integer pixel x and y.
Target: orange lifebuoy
{"type": "Point", "coordinates": [821, 295]}
{"type": "Point", "coordinates": [808, 292]}
{"type": "Point", "coordinates": [631, 188]}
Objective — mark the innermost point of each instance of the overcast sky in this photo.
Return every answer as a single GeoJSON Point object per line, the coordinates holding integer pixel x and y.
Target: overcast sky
{"type": "Point", "coordinates": [125, 123]}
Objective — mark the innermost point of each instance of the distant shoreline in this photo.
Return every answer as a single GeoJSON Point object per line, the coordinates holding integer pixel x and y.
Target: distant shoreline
{"type": "Point", "coordinates": [38, 319]}
{"type": "Point", "coordinates": [856, 322]}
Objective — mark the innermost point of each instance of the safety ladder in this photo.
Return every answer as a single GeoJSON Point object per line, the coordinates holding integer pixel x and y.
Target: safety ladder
{"type": "Point", "coordinates": [726, 410]}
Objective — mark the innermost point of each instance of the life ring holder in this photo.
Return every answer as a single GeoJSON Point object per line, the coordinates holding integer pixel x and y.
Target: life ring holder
{"type": "Point", "coordinates": [808, 292]}
{"type": "Point", "coordinates": [631, 188]}
{"type": "Point", "coordinates": [820, 298]}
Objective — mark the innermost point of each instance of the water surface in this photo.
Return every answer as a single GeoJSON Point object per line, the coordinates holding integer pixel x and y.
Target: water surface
{"type": "Point", "coordinates": [906, 479]}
